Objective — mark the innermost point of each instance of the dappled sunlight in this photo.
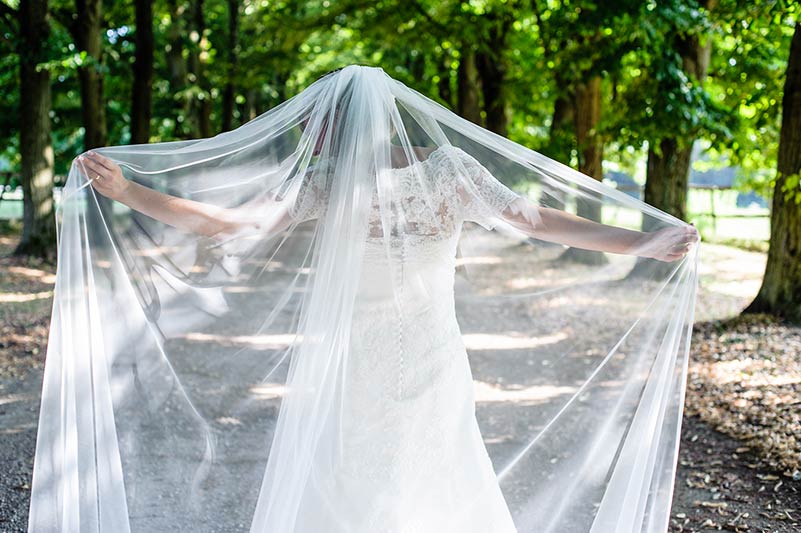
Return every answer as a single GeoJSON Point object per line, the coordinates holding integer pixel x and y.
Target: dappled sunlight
{"type": "Point", "coordinates": [14, 398]}
{"type": "Point", "coordinates": [486, 392]}
{"type": "Point", "coordinates": [269, 391]}
{"type": "Point", "coordinates": [228, 421]}
{"type": "Point", "coordinates": [478, 260]}
{"type": "Point", "coordinates": [728, 280]}
{"type": "Point", "coordinates": [744, 379]}
{"type": "Point", "coordinates": [18, 297]}
{"type": "Point", "coordinates": [156, 251]}
{"type": "Point", "coordinates": [33, 274]}
{"type": "Point", "coordinates": [21, 339]}
{"type": "Point", "coordinates": [731, 271]}
{"type": "Point", "coordinates": [538, 282]}
{"type": "Point", "coordinates": [749, 372]}
{"type": "Point", "coordinates": [262, 342]}
{"type": "Point", "coordinates": [487, 341]}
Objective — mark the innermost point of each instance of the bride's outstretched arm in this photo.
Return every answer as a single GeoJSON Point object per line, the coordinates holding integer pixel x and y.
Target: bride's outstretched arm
{"type": "Point", "coordinates": [555, 225]}
{"type": "Point", "coordinates": [182, 213]}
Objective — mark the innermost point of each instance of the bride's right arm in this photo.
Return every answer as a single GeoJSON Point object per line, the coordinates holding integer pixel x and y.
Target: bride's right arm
{"type": "Point", "coordinates": [182, 213]}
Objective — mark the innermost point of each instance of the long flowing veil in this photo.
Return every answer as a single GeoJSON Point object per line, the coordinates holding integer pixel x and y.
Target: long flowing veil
{"type": "Point", "coordinates": [199, 377]}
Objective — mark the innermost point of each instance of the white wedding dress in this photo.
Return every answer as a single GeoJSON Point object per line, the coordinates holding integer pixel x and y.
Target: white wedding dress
{"type": "Point", "coordinates": [412, 457]}
{"type": "Point", "coordinates": [225, 371]}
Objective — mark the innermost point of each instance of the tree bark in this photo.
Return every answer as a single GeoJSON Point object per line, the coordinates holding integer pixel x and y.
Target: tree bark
{"type": "Point", "coordinates": [229, 93]}
{"type": "Point", "coordinates": [87, 30]}
{"type": "Point", "coordinates": [468, 105]}
{"type": "Point", "coordinates": [587, 106]}
{"type": "Point", "coordinates": [668, 174]}
{"type": "Point", "coordinates": [142, 95]}
{"type": "Point", "coordinates": [491, 67]}
{"type": "Point", "coordinates": [668, 170]}
{"type": "Point", "coordinates": [178, 69]}
{"type": "Point", "coordinates": [562, 135]}
{"type": "Point", "coordinates": [250, 111]}
{"type": "Point", "coordinates": [197, 69]}
{"type": "Point", "coordinates": [562, 138]}
{"type": "Point", "coordinates": [493, 73]}
{"type": "Point", "coordinates": [36, 149]}
{"type": "Point", "coordinates": [444, 82]}
{"type": "Point", "coordinates": [780, 293]}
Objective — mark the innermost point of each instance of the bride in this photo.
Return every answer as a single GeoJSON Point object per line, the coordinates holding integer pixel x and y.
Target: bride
{"type": "Point", "coordinates": [364, 187]}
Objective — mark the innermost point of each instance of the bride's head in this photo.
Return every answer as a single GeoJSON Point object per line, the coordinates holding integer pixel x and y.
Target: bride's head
{"type": "Point", "coordinates": [330, 123]}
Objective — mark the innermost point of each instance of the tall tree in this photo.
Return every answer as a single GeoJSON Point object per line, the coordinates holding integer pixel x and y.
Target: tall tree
{"type": "Point", "coordinates": [87, 29]}
{"type": "Point", "coordinates": [86, 24]}
{"type": "Point", "coordinates": [468, 104]}
{"type": "Point", "coordinates": [36, 149]}
{"type": "Point", "coordinates": [781, 286]}
{"type": "Point", "coordinates": [177, 68]}
{"type": "Point", "coordinates": [491, 64]}
{"type": "Point", "coordinates": [198, 57]}
{"type": "Point", "coordinates": [668, 169]}
{"type": "Point", "coordinates": [142, 90]}
{"type": "Point", "coordinates": [587, 117]}
{"type": "Point", "coordinates": [229, 93]}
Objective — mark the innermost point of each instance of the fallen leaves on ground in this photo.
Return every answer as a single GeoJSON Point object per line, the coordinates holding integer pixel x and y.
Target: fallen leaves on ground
{"type": "Point", "coordinates": [745, 380]}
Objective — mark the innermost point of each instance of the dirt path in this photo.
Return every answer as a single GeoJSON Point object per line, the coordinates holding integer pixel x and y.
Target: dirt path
{"type": "Point", "coordinates": [721, 486]}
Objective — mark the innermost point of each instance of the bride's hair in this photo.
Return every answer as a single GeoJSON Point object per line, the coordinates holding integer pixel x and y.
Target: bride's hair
{"type": "Point", "coordinates": [330, 72]}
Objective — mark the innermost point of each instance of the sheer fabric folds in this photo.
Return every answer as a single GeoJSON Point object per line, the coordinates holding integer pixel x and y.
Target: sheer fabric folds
{"type": "Point", "coordinates": [397, 323]}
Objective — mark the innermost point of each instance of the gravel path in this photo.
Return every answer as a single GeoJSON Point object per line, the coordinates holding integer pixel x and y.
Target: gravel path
{"type": "Point", "coordinates": [720, 486]}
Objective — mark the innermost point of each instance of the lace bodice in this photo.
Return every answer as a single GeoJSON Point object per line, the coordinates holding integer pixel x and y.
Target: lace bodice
{"type": "Point", "coordinates": [437, 194]}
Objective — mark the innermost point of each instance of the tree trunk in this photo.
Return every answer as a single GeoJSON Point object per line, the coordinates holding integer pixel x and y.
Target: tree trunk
{"type": "Point", "coordinates": [668, 169]}
{"type": "Point", "coordinates": [780, 293]}
{"type": "Point", "coordinates": [491, 67]}
{"type": "Point", "coordinates": [36, 150]}
{"type": "Point", "coordinates": [444, 82]}
{"type": "Point", "coordinates": [416, 64]}
{"type": "Point", "coordinates": [201, 105]}
{"type": "Point", "coordinates": [562, 135]}
{"type": "Point", "coordinates": [468, 105]}
{"type": "Point", "coordinates": [493, 73]}
{"type": "Point", "coordinates": [587, 117]}
{"type": "Point", "coordinates": [250, 112]}
{"type": "Point", "coordinates": [87, 31]}
{"type": "Point", "coordinates": [229, 94]}
{"type": "Point", "coordinates": [667, 176]}
{"type": "Point", "coordinates": [142, 95]}
{"type": "Point", "coordinates": [178, 70]}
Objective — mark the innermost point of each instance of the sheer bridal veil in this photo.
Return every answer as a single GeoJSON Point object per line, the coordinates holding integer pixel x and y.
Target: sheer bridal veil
{"type": "Point", "coordinates": [198, 368]}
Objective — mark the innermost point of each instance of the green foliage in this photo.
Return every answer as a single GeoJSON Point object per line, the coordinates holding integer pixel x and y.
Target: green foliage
{"type": "Point", "coordinates": [544, 46]}
{"type": "Point", "coordinates": [747, 75]}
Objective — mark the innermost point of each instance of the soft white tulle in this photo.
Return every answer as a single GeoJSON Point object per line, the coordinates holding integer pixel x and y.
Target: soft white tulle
{"type": "Point", "coordinates": [307, 372]}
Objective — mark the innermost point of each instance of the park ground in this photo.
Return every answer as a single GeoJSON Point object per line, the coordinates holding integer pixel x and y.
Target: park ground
{"type": "Point", "coordinates": [740, 452]}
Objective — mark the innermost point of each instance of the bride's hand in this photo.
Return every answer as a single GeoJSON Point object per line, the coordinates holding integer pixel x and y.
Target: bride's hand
{"type": "Point", "coordinates": [106, 175]}
{"type": "Point", "coordinates": [670, 244]}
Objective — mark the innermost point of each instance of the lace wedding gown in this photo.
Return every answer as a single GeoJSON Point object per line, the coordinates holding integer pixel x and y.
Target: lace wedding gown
{"type": "Point", "coordinates": [172, 348]}
{"type": "Point", "coordinates": [412, 456]}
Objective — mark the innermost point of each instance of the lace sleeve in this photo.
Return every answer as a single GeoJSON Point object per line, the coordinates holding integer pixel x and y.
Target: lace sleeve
{"type": "Point", "coordinates": [312, 197]}
{"type": "Point", "coordinates": [484, 197]}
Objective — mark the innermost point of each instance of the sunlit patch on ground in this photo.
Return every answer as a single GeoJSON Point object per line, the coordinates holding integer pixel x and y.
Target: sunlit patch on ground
{"type": "Point", "coordinates": [745, 380]}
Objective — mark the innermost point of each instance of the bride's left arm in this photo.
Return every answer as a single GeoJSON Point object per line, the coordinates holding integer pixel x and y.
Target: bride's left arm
{"type": "Point", "coordinates": [555, 225]}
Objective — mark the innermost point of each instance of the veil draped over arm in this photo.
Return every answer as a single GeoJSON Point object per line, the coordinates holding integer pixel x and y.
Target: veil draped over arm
{"type": "Point", "coordinates": [220, 382]}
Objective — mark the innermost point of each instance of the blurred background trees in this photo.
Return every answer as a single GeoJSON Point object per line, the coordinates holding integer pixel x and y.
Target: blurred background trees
{"type": "Point", "coordinates": [643, 95]}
